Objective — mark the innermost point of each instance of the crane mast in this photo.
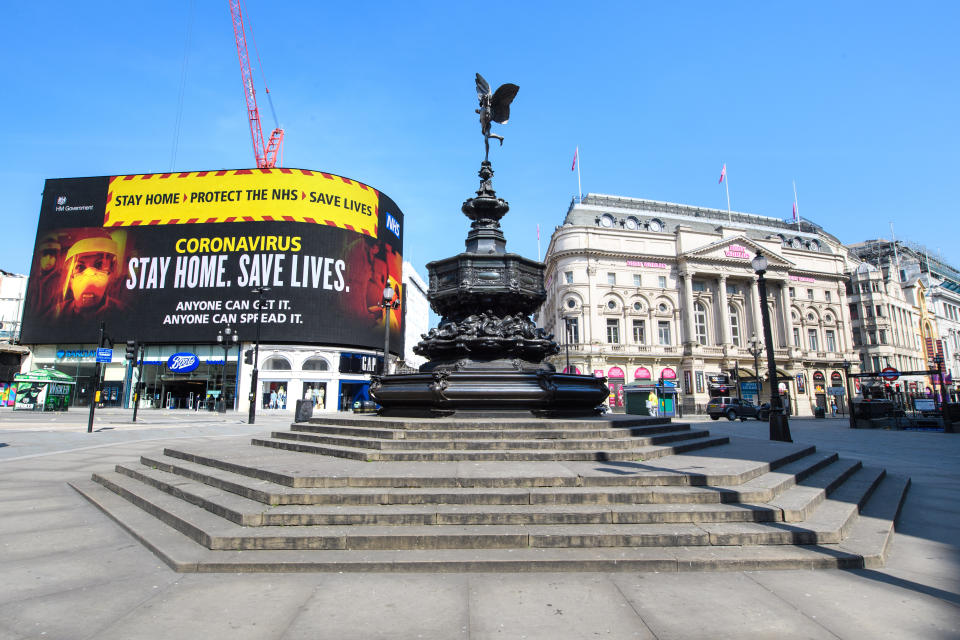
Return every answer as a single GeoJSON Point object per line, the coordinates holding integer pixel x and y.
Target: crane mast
{"type": "Point", "coordinates": [265, 154]}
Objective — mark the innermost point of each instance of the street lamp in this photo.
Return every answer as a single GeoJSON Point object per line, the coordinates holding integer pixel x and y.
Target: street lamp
{"type": "Point", "coordinates": [846, 375]}
{"type": "Point", "coordinates": [252, 417]}
{"type": "Point", "coordinates": [227, 339]}
{"type": "Point", "coordinates": [754, 348]}
{"type": "Point", "coordinates": [388, 303]}
{"type": "Point", "coordinates": [779, 425]}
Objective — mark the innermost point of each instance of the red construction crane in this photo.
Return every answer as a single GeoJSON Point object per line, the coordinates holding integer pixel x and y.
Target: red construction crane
{"type": "Point", "coordinates": [265, 154]}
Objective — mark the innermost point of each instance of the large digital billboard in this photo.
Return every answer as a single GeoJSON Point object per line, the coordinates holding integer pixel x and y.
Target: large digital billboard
{"type": "Point", "coordinates": [175, 257]}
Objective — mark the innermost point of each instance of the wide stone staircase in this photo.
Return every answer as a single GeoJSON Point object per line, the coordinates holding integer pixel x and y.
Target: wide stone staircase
{"type": "Point", "coordinates": [621, 493]}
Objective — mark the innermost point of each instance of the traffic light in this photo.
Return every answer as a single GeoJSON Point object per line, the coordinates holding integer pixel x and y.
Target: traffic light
{"type": "Point", "coordinates": [248, 356]}
{"type": "Point", "coordinates": [131, 350]}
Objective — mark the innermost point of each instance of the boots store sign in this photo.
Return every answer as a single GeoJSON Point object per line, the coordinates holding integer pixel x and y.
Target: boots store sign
{"type": "Point", "coordinates": [183, 362]}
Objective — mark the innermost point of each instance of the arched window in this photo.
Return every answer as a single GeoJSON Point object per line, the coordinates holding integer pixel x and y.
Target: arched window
{"type": "Point", "coordinates": [316, 364]}
{"type": "Point", "coordinates": [700, 322]}
{"type": "Point", "coordinates": [276, 363]}
{"type": "Point", "coordinates": [734, 325]}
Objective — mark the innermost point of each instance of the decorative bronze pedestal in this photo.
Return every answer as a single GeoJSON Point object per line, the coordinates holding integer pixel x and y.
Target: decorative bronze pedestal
{"type": "Point", "coordinates": [487, 357]}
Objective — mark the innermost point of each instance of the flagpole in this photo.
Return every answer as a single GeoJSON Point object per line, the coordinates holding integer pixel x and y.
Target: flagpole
{"type": "Point", "coordinates": [579, 188]}
{"type": "Point", "coordinates": [796, 207]}
{"type": "Point", "coordinates": [726, 183]}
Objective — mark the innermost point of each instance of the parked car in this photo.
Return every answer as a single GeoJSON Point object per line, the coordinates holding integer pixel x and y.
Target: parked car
{"type": "Point", "coordinates": [732, 408]}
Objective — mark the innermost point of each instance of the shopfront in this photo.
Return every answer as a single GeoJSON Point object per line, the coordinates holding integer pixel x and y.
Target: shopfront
{"type": "Point", "coordinates": [820, 390]}
{"type": "Point", "coordinates": [616, 378]}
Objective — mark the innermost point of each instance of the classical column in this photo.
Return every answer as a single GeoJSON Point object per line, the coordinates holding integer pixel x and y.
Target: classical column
{"type": "Point", "coordinates": [755, 305]}
{"type": "Point", "coordinates": [787, 313]}
{"type": "Point", "coordinates": [688, 306]}
{"type": "Point", "coordinates": [725, 335]}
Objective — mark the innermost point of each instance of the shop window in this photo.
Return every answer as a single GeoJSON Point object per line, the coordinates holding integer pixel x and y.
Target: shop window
{"type": "Point", "coordinates": [316, 364]}
{"type": "Point", "coordinates": [276, 363]}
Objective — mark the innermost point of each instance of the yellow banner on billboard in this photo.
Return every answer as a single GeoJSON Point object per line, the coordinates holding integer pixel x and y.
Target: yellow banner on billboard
{"type": "Point", "coordinates": [242, 195]}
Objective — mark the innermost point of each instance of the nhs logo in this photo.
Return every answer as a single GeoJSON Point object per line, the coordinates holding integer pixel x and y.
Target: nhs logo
{"type": "Point", "coordinates": [393, 225]}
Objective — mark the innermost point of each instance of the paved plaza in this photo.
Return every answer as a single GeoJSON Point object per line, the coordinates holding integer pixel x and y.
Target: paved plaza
{"type": "Point", "coordinates": [70, 572]}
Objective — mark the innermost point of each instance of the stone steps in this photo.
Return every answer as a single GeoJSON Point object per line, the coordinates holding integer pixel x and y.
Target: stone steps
{"type": "Point", "coordinates": [636, 452]}
{"type": "Point", "coordinates": [360, 494]}
{"type": "Point", "coordinates": [488, 433]}
{"type": "Point", "coordinates": [530, 442]}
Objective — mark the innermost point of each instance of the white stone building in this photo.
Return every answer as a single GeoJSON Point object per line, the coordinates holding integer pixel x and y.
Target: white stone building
{"type": "Point", "coordinates": [640, 289]}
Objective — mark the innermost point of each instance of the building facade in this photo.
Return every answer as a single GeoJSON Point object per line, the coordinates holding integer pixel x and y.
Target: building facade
{"type": "Point", "coordinates": [640, 290]}
{"type": "Point", "coordinates": [931, 290]}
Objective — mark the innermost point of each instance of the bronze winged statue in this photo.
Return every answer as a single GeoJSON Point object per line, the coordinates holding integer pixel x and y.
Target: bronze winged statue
{"type": "Point", "coordinates": [494, 107]}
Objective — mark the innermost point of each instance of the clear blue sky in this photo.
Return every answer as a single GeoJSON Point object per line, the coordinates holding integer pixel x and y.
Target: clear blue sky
{"type": "Point", "coordinates": [856, 101]}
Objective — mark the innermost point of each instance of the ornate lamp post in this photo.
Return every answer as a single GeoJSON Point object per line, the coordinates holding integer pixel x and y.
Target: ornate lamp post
{"type": "Point", "coordinates": [779, 425]}
{"type": "Point", "coordinates": [252, 417]}
{"type": "Point", "coordinates": [227, 339]}
{"type": "Point", "coordinates": [754, 348]}
{"type": "Point", "coordinates": [388, 304]}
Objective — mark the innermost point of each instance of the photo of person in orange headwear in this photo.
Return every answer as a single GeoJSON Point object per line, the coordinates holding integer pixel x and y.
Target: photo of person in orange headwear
{"type": "Point", "coordinates": [91, 270]}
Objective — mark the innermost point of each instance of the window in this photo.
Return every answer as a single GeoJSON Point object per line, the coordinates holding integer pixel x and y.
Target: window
{"type": "Point", "coordinates": [611, 278]}
{"type": "Point", "coordinates": [662, 282]}
{"type": "Point", "coordinates": [732, 289]}
{"type": "Point", "coordinates": [734, 326]}
{"type": "Point", "coordinates": [883, 336]}
{"type": "Point", "coordinates": [316, 364]}
{"type": "Point", "coordinates": [876, 363]}
{"type": "Point", "coordinates": [812, 339]}
{"type": "Point", "coordinates": [663, 333]}
{"type": "Point", "coordinates": [809, 294]}
{"type": "Point", "coordinates": [796, 337]}
{"type": "Point", "coordinates": [826, 296]}
{"type": "Point", "coordinates": [879, 311]}
{"type": "Point", "coordinates": [611, 304]}
{"type": "Point", "coordinates": [568, 277]}
{"type": "Point", "coordinates": [700, 322]}
{"type": "Point", "coordinates": [637, 306]}
{"type": "Point", "coordinates": [276, 364]}
{"type": "Point", "coordinates": [606, 220]}
{"type": "Point", "coordinates": [613, 331]}
{"type": "Point", "coordinates": [792, 292]}
{"type": "Point", "coordinates": [573, 330]}
{"type": "Point", "coordinates": [637, 280]}
{"type": "Point", "coordinates": [831, 341]}
{"type": "Point", "coordinates": [857, 337]}
{"type": "Point", "coordinates": [699, 285]}
{"type": "Point", "coordinates": [872, 335]}
{"type": "Point", "coordinates": [853, 312]}
{"type": "Point", "coordinates": [640, 331]}
{"type": "Point", "coordinates": [571, 303]}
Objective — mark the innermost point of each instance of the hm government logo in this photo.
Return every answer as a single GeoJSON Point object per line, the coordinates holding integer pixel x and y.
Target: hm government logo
{"type": "Point", "coordinates": [393, 224]}
{"type": "Point", "coordinates": [62, 208]}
